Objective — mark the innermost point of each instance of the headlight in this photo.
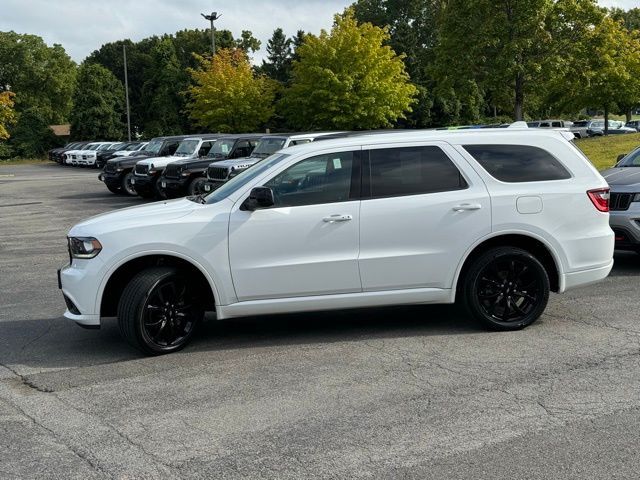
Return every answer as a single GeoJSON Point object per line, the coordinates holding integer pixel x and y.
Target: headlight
{"type": "Point", "coordinates": [185, 173]}
{"type": "Point", "coordinates": [636, 197]}
{"type": "Point", "coordinates": [152, 172]}
{"type": "Point", "coordinates": [84, 247]}
{"type": "Point", "coordinates": [119, 169]}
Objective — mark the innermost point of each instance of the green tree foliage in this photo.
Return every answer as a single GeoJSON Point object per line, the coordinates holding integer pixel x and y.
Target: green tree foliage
{"type": "Point", "coordinates": [145, 65]}
{"type": "Point", "coordinates": [347, 80]}
{"type": "Point", "coordinates": [412, 26]}
{"type": "Point", "coordinates": [630, 18]}
{"type": "Point", "coordinates": [39, 75]}
{"type": "Point", "coordinates": [227, 96]}
{"type": "Point", "coordinates": [7, 114]}
{"type": "Point", "coordinates": [278, 63]}
{"type": "Point", "coordinates": [161, 92]}
{"type": "Point", "coordinates": [247, 42]}
{"type": "Point", "coordinates": [98, 105]}
{"type": "Point", "coordinates": [42, 79]}
{"type": "Point", "coordinates": [606, 72]}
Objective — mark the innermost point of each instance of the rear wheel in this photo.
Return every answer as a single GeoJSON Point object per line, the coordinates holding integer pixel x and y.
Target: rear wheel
{"type": "Point", "coordinates": [127, 185]}
{"type": "Point", "coordinates": [506, 288]}
{"type": "Point", "coordinates": [159, 311]}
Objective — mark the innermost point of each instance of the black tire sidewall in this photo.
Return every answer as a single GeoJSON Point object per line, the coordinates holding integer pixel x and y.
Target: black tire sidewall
{"type": "Point", "coordinates": [131, 305]}
{"type": "Point", "coordinates": [124, 185]}
{"type": "Point", "coordinates": [472, 302]}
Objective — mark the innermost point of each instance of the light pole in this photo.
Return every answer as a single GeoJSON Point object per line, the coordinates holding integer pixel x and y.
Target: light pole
{"type": "Point", "coordinates": [126, 90]}
{"type": "Point", "coordinates": [213, 17]}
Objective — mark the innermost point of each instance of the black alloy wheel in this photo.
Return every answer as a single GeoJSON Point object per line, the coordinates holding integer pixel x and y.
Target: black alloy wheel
{"type": "Point", "coordinates": [159, 311]}
{"type": "Point", "coordinates": [506, 289]}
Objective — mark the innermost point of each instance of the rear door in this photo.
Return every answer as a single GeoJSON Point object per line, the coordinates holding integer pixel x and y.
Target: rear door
{"type": "Point", "coordinates": [423, 207]}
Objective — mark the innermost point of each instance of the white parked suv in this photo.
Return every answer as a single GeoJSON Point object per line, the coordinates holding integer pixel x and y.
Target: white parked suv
{"type": "Point", "coordinates": [494, 218]}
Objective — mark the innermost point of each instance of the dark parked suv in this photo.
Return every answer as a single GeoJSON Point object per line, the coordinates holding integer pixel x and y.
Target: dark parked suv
{"type": "Point", "coordinates": [118, 172]}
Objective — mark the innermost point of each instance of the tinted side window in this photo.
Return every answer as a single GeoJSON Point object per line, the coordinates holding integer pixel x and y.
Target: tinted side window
{"type": "Point", "coordinates": [518, 163]}
{"type": "Point", "coordinates": [170, 148]}
{"type": "Point", "coordinates": [316, 180]}
{"type": "Point", "coordinates": [300, 141]}
{"type": "Point", "coordinates": [412, 171]}
{"type": "Point", "coordinates": [243, 149]}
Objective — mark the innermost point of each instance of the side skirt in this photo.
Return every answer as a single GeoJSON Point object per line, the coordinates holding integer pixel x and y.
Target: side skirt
{"type": "Point", "coordinates": [335, 302]}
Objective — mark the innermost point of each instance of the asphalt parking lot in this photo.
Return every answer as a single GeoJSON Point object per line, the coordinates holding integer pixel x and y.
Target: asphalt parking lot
{"type": "Point", "coordinates": [406, 392]}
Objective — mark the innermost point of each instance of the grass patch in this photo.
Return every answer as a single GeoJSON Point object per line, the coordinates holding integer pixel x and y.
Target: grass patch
{"type": "Point", "coordinates": [23, 161]}
{"type": "Point", "coordinates": [603, 151]}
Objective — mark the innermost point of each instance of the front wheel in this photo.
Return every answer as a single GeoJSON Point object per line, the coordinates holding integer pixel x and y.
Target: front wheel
{"type": "Point", "coordinates": [127, 185]}
{"type": "Point", "coordinates": [196, 187]}
{"type": "Point", "coordinates": [506, 288]}
{"type": "Point", "coordinates": [159, 311]}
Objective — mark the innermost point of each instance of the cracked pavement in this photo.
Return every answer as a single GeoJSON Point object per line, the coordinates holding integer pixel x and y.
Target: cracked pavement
{"type": "Point", "coordinates": [403, 392]}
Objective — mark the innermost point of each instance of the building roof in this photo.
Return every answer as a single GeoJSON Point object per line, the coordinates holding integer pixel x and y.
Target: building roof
{"type": "Point", "coordinates": [61, 130]}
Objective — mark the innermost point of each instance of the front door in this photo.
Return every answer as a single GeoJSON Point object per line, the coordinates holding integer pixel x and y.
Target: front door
{"type": "Point", "coordinates": [308, 242]}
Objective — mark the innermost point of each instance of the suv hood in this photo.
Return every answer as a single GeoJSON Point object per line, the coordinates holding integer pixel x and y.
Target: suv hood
{"type": "Point", "coordinates": [154, 213]}
{"type": "Point", "coordinates": [237, 162]}
{"type": "Point", "coordinates": [622, 176]}
{"type": "Point", "coordinates": [128, 161]}
{"type": "Point", "coordinates": [161, 162]}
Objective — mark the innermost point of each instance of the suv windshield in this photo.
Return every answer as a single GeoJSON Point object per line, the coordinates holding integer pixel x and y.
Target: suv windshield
{"type": "Point", "coordinates": [631, 160]}
{"type": "Point", "coordinates": [154, 146]}
{"type": "Point", "coordinates": [187, 147]}
{"type": "Point", "coordinates": [245, 177]}
{"type": "Point", "coordinates": [221, 148]}
{"type": "Point", "coordinates": [267, 146]}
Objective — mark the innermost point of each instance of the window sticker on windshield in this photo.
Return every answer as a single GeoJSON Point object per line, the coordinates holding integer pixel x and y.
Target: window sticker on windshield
{"type": "Point", "coordinates": [337, 164]}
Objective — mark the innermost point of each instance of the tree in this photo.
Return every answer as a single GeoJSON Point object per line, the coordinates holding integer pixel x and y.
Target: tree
{"type": "Point", "coordinates": [98, 105]}
{"type": "Point", "coordinates": [248, 42]}
{"type": "Point", "coordinates": [41, 77]}
{"type": "Point", "coordinates": [606, 73]}
{"type": "Point", "coordinates": [278, 64]}
{"type": "Point", "coordinates": [7, 114]}
{"type": "Point", "coordinates": [347, 79]}
{"type": "Point", "coordinates": [631, 17]}
{"type": "Point", "coordinates": [227, 96]}
{"type": "Point", "coordinates": [161, 92]}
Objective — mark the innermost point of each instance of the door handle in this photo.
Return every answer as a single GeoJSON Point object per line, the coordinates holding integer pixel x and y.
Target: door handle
{"type": "Point", "coordinates": [467, 206]}
{"type": "Point", "coordinates": [337, 218]}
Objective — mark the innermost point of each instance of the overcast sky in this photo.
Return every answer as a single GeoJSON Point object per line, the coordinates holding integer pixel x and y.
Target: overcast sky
{"type": "Point", "coordinates": [82, 26]}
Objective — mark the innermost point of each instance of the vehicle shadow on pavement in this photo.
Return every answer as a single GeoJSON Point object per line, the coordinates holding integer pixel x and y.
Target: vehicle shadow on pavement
{"type": "Point", "coordinates": [625, 264]}
{"type": "Point", "coordinates": [39, 345]}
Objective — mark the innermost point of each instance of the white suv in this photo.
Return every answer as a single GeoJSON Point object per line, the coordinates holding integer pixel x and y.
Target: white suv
{"type": "Point", "coordinates": [493, 218]}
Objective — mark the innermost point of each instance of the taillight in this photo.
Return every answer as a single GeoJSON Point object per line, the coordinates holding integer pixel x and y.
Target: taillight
{"type": "Point", "coordinates": [600, 198]}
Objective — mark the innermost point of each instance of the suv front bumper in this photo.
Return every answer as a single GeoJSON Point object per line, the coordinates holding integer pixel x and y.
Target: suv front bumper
{"type": "Point", "coordinates": [79, 294]}
{"type": "Point", "coordinates": [626, 226]}
{"type": "Point", "coordinates": [174, 187]}
{"type": "Point", "coordinates": [144, 184]}
{"type": "Point", "coordinates": [211, 185]}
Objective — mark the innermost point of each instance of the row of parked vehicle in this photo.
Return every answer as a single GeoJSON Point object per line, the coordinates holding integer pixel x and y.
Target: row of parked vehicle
{"type": "Point", "coordinates": [589, 128]}
{"type": "Point", "coordinates": [175, 166]}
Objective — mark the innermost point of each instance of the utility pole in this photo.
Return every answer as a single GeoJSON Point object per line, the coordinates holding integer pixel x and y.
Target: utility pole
{"type": "Point", "coordinates": [213, 17]}
{"type": "Point", "coordinates": [126, 91]}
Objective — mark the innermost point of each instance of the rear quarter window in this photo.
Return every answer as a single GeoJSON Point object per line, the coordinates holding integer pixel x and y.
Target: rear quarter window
{"type": "Point", "coordinates": [518, 163]}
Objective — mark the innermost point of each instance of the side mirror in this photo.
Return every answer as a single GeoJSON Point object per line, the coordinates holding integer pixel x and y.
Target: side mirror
{"type": "Point", "coordinates": [620, 157]}
{"type": "Point", "coordinates": [260, 197]}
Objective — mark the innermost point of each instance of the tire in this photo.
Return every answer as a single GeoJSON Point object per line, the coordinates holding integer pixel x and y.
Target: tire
{"type": "Point", "coordinates": [159, 311]}
{"type": "Point", "coordinates": [515, 279]}
{"type": "Point", "coordinates": [195, 187]}
{"type": "Point", "coordinates": [113, 189]}
{"type": "Point", "coordinates": [127, 186]}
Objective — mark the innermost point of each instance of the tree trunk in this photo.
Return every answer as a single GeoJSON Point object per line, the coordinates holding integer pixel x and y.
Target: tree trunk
{"type": "Point", "coordinates": [629, 115]}
{"type": "Point", "coordinates": [519, 98]}
{"type": "Point", "coordinates": [606, 120]}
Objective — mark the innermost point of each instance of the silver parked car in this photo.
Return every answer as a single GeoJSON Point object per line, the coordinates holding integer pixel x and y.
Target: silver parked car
{"type": "Point", "coordinates": [624, 202]}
